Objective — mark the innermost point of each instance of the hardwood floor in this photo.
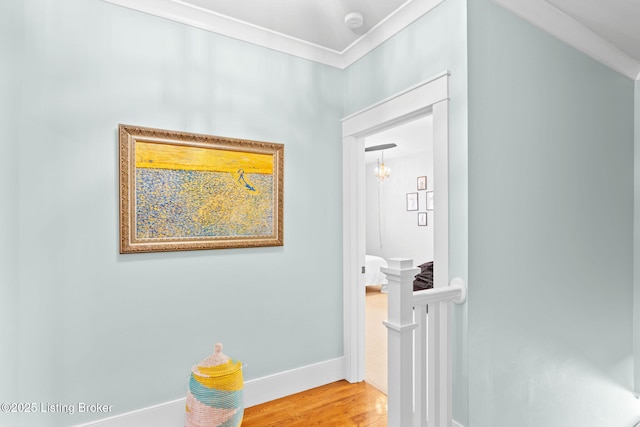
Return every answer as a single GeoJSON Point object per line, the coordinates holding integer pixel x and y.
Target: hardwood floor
{"type": "Point", "coordinates": [333, 405]}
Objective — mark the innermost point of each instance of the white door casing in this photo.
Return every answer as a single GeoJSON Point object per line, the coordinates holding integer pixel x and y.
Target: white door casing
{"type": "Point", "coordinates": [428, 97]}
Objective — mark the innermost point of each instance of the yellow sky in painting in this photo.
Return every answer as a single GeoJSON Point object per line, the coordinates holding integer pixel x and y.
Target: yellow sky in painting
{"type": "Point", "coordinates": [179, 157]}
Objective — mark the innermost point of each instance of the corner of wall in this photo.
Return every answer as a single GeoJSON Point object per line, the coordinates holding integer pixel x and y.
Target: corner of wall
{"type": "Point", "coordinates": [11, 34]}
{"type": "Point", "coordinates": [636, 238]}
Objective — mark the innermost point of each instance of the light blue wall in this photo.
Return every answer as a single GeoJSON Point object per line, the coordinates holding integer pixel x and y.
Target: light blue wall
{"type": "Point", "coordinates": [10, 68]}
{"type": "Point", "coordinates": [550, 231]}
{"type": "Point", "coordinates": [433, 44]}
{"type": "Point", "coordinates": [125, 330]}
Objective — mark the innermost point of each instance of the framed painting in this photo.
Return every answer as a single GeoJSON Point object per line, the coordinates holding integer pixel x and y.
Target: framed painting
{"type": "Point", "coordinates": [412, 201]}
{"type": "Point", "coordinates": [422, 183]}
{"type": "Point", "coordinates": [429, 200]}
{"type": "Point", "coordinates": [184, 191]}
{"type": "Point", "coordinates": [422, 218]}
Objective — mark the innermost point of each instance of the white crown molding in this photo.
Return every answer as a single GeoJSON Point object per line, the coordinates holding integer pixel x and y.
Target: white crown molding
{"type": "Point", "coordinates": [557, 23]}
{"type": "Point", "coordinates": [401, 18]}
{"type": "Point", "coordinates": [206, 20]}
{"type": "Point", "coordinates": [186, 13]}
{"type": "Point", "coordinates": [540, 13]}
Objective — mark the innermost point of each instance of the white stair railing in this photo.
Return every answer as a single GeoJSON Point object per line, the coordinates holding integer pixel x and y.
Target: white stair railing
{"type": "Point", "coordinates": [419, 394]}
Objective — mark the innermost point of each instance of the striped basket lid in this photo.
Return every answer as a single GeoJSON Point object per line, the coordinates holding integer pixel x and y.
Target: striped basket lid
{"type": "Point", "coordinates": [216, 365]}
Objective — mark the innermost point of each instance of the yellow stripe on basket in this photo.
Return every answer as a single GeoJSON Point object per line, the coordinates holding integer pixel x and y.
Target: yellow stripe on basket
{"type": "Point", "coordinates": [226, 377]}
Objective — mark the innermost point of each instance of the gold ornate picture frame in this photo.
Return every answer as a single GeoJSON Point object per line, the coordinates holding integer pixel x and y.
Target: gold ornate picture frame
{"type": "Point", "coordinates": [185, 191]}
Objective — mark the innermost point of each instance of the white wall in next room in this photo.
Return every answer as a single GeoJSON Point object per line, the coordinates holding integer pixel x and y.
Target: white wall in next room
{"type": "Point", "coordinates": [391, 230]}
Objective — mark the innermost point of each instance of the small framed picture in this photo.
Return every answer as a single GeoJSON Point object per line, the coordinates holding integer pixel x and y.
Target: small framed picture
{"type": "Point", "coordinates": [422, 183]}
{"type": "Point", "coordinates": [422, 218]}
{"type": "Point", "coordinates": [429, 200]}
{"type": "Point", "coordinates": [412, 201]}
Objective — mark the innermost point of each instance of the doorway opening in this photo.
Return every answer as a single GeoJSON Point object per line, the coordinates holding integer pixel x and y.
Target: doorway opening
{"type": "Point", "coordinates": [399, 182]}
{"type": "Point", "coordinates": [429, 98]}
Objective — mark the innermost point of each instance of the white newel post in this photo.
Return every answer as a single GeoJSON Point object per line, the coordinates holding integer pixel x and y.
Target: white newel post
{"type": "Point", "coordinates": [400, 324]}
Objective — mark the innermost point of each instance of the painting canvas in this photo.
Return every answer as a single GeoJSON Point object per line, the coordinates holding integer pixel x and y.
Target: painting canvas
{"type": "Point", "coordinates": [184, 191]}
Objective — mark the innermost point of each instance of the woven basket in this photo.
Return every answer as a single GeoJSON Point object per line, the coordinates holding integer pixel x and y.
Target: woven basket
{"type": "Point", "coordinates": [215, 392]}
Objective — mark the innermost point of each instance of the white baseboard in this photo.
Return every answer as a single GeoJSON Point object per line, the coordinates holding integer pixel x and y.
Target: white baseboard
{"type": "Point", "coordinates": [260, 390]}
{"type": "Point", "coordinates": [283, 384]}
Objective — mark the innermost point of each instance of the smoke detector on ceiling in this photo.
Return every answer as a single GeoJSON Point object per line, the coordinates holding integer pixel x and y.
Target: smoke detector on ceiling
{"type": "Point", "coordinates": [354, 20]}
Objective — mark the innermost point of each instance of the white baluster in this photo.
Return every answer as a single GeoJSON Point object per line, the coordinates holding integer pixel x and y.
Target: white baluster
{"type": "Point", "coordinates": [429, 380]}
{"type": "Point", "coordinates": [421, 370]}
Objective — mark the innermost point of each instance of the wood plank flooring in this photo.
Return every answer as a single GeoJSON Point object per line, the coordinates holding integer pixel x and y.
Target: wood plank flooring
{"type": "Point", "coordinates": [339, 404]}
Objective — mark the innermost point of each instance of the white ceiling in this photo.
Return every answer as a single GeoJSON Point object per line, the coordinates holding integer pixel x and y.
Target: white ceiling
{"type": "Point", "coordinates": [316, 22]}
{"type": "Point", "coordinates": [411, 137]}
{"type": "Point", "coordinates": [606, 30]}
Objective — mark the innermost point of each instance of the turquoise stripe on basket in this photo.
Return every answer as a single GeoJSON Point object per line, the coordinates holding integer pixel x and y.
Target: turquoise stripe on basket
{"type": "Point", "coordinates": [215, 398]}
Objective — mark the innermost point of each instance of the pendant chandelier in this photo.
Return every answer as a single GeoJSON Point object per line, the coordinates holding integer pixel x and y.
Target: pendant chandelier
{"type": "Point", "coordinates": [382, 172]}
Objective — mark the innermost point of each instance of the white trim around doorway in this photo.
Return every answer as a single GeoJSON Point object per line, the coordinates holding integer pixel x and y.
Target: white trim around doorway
{"type": "Point", "coordinates": [428, 97]}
